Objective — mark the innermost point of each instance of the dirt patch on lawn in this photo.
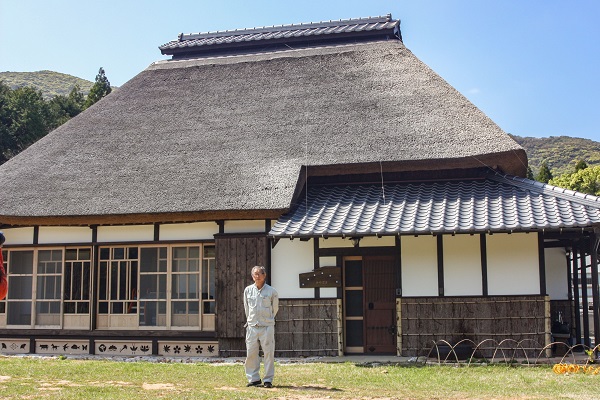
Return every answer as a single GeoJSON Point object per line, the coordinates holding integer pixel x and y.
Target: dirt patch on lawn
{"type": "Point", "coordinates": [158, 386]}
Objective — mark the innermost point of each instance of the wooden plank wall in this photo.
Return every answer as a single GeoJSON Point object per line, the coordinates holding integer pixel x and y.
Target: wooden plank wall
{"type": "Point", "coordinates": [303, 328]}
{"type": "Point", "coordinates": [235, 257]}
{"type": "Point", "coordinates": [426, 320]}
{"type": "Point", "coordinates": [232, 347]}
{"type": "Point", "coordinates": [307, 327]}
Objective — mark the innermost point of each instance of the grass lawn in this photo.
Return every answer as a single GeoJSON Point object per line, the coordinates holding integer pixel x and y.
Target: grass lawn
{"type": "Point", "coordinates": [40, 378]}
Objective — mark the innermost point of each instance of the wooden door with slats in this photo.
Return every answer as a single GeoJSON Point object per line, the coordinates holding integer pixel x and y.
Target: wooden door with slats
{"type": "Point", "coordinates": [379, 304]}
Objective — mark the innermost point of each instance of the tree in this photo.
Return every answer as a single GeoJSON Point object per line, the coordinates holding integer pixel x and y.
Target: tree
{"type": "Point", "coordinates": [100, 89]}
{"type": "Point", "coordinates": [64, 108]}
{"type": "Point", "coordinates": [580, 165]}
{"type": "Point", "coordinates": [5, 121]}
{"type": "Point", "coordinates": [26, 118]}
{"type": "Point", "coordinates": [530, 174]}
{"type": "Point", "coordinates": [585, 180]}
{"type": "Point", "coordinates": [544, 175]}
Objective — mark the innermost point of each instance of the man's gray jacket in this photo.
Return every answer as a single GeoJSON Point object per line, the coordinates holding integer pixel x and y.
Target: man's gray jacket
{"type": "Point", "coordinates": [260, 306]}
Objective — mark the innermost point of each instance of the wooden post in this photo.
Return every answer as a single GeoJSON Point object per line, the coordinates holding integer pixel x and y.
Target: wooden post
{"type": "Point", "coordinates": [398, 327]}
{"type": "Point", "coordinates": [440, 264]}
{"type": "Point", "coordinates": [398, 255]}
{"type": "Point", "coordinates": [316, 264]}
{"type": "Point", "coordinates": [94, 263]}
{"type": "Point", "coordinates": [340, 329]}
{"type": "Point", "coordinates": [548, 326]}
{"type": "Point", "coordinates": [484, 274]}
{"type": "Point", "coordinates": [595, 295]}
{"type": "Point", "coordinates": [584, 296]}
{"type": "Point", "coordinates": [574, 267]}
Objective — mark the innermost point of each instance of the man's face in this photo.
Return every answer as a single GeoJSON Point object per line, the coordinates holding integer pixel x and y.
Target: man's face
{"type": "Point", "coordinates": [259, 277]}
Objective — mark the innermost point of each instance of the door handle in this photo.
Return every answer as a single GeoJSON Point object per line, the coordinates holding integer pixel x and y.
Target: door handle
{"type": "Point", "coordinates": [371, 306]}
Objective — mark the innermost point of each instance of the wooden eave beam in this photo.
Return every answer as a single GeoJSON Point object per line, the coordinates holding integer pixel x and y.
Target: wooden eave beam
{"type": "Point", "coordinates": [137, 219]}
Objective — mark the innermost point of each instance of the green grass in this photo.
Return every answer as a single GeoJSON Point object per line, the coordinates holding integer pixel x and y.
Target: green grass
{"type": "Point", "coordinates": [40, 378]}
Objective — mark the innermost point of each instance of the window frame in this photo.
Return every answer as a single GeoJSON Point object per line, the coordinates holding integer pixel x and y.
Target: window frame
{"type": "Point", "coordinates": [122, 322]}
{"type": "Point", "coordinates": [35, 277]}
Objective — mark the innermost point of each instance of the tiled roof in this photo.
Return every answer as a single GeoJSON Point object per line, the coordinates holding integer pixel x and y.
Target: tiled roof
{"type": "Point", "coordinates": [496, 204]}
{"type": "Point", "coordinates": [330, 28]}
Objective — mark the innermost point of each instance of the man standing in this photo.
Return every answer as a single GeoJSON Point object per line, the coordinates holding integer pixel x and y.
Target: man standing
{"type": "Point", "coordinates": [261, 303]}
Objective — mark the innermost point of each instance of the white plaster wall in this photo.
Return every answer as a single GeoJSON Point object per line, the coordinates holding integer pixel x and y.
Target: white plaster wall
{"type": "Point", "coordinates": [327, 293]}
{"type": "Point", "coordinates": [18, 236]}
{"type": "Point", "coordinates": [244, 226]}
{"type": "Point", "coordinates": [419, 266]}
{"type": "Point", "coordinates": [128, 233]}
{"type": "Point", "coordinates": [65, 234]}
{"type": "Point", "coordinates": [334, 242]}
{"type": "Point", "coordinates": [327, 261]}
{"type": "Point", "coordinates": [556, 273]}
{"type": "Point", "coordinates": [289, 259]}
{"type": "Point", "coordinates": [192, 231]}
{"type": "Point", "coordinates": [367, 241]}
{"type": "Point", "coordinates": [462, 265]}
{"type": "Point", "coordinates": [513, 264]}
{"type": "Point", "coordinates": [374, 241]}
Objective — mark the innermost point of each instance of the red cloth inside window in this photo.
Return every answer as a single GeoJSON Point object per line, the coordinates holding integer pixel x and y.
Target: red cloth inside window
{"type": "Point", "coordinates": [3, 281]}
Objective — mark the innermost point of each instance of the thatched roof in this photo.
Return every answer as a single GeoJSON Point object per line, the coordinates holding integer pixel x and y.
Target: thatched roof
{"type": "Point", "coordinates": [221, 137]}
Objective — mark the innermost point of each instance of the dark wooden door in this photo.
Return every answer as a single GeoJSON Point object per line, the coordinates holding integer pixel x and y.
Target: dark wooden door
{"type": "Point", "coordinates": [235, 257]}
{"type": "Point", "coordinates": [379, 304]}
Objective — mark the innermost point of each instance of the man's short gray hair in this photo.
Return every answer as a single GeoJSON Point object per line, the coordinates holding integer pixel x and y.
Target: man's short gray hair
{"type": "Point", "coordinates": [258, 268]}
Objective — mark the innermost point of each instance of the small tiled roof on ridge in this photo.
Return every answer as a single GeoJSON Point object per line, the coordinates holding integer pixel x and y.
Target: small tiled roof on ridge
{"type": "Point", "coordinates": [331, 30]}
{"type": "Point", "coordinates": [496, 204]}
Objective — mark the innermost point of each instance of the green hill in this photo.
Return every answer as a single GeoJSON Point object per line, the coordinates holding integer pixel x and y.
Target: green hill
{"type": "Point", "coordinates": [560, 152]}
{"type": "Point", "coordinates": [50, 83]}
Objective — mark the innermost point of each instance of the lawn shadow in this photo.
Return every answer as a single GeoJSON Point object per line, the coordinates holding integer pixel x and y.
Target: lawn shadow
{"type": "Point", "coordinates": [308, 388]}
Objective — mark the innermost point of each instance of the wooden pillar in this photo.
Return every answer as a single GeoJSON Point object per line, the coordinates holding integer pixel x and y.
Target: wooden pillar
{"type": "Point", "coordinates": [440, 264]}
{"type": "Point", "coordinates": [584, 296]}
{"type": "Point", "coordinates": [595, 295]}
{"type": "Point", "coordinates": [398, 255]}
{"type": "Point", "coordinates": [316, 263]}
{"type": "Point", "coordinates": [575, 270]}
{"type": "Point", "coordinates": [94, 277]}
{"type": "Point", "coordinates": [398, 269]}
{"type": "Point", "coordinates": [484, 273]}
{"type": "Point", "coordinates": [569, 256]}
{"type": "Point", "coordinates": [572, 310]}
{"type": "Point", "coordinates": [36, 235]}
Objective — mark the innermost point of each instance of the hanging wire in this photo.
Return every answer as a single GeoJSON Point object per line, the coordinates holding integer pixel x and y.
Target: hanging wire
{"type": "Point", "coordinates": [485, 165]}
{"type": "Point", "coordinates": [382, 187]}
{"type": "Point", "coordinates": [306, 176]}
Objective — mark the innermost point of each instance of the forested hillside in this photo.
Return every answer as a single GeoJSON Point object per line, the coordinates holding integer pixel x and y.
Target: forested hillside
{"type": "Point", "coordinates": [561, 153]}
{"type": "Point", "coordinates": [50, 83]}
{"type": "Point", "coordinates": [29, 110]}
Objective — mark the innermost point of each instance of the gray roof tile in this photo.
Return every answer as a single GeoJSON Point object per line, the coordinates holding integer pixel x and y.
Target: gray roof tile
{"type": "Point", "coordinates": [497, 203]}
{"type": "Point", "coordinates": [343, 26]}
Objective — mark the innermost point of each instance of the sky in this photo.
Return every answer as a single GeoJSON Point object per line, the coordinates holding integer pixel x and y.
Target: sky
{"type": "Point", "coordinates": [533, 66]}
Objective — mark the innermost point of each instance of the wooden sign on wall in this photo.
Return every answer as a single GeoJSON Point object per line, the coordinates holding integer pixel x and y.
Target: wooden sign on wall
{"type": "Point", "coordinates": [322, 277]}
